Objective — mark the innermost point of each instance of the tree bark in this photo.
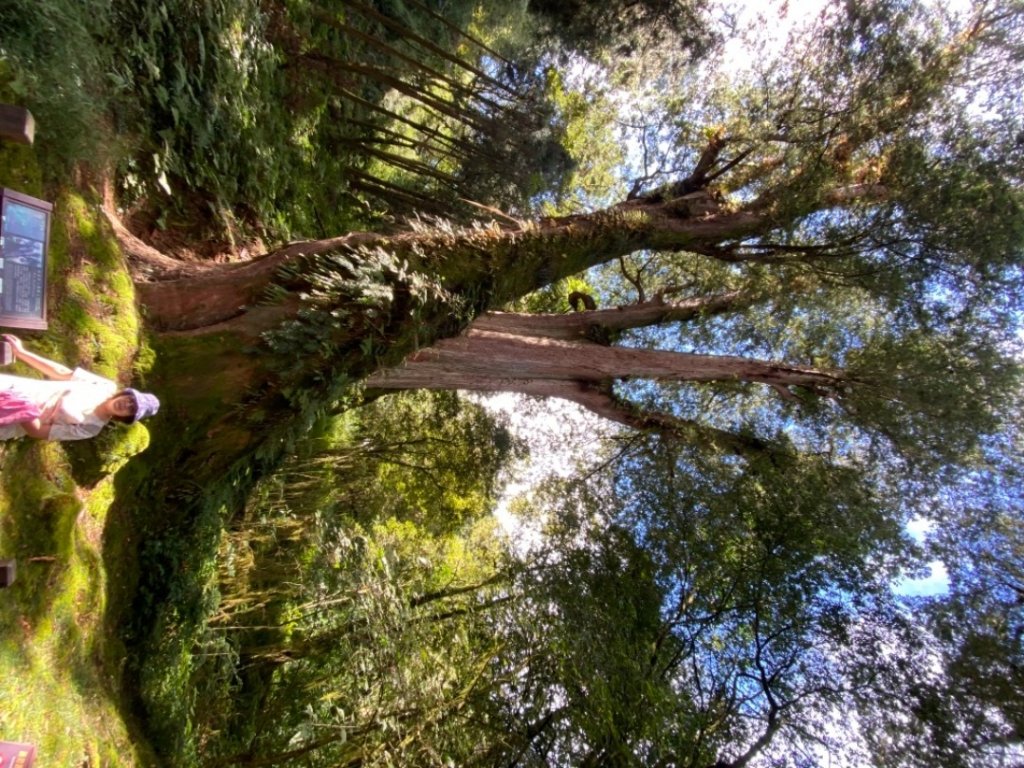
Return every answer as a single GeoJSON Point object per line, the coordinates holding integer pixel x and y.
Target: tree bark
{"type": "Point", "coordinates": [505, 261]}
{"type": "Point", "coordinates": [552, 355]}
{"type": "Point", "coordinates": [494, 361]}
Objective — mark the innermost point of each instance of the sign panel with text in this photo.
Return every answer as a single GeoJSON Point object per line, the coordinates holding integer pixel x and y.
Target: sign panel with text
{"type": "Point", "coordinates": [24, 240]}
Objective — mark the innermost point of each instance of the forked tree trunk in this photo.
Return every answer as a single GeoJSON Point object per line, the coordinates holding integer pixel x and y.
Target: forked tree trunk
{"type": "Point", "coordinates": [243, 347]}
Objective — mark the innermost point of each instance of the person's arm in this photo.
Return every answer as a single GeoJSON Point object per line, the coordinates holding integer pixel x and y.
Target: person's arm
{"type": "Point", "coordinates": [40, 428]}
{"type": "Point", "coordinates": [36, 429]}
{"type": "Point", "coordinates": [48, 368]}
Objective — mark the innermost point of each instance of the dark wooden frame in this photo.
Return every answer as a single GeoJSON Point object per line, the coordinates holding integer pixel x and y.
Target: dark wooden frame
{"type": "Point", "coordinates": [17, 124]}
{"type": "Point", "coordinates": [8, 569]}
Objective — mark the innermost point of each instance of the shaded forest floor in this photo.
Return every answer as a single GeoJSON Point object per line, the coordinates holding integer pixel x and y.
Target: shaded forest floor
{"type": "Point", "coordinates": [61, 661]}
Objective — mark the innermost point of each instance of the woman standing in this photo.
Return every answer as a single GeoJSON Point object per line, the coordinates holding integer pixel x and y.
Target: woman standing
{"type": "Point", "coordinates": [67, 404]}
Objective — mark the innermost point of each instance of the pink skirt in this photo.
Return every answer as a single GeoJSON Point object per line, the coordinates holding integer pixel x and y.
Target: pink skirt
{"type": "Point", "coordinates": [15, 409]}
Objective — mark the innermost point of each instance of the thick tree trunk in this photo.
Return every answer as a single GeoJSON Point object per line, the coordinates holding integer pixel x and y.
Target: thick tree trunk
{"type": "Point", "coordinates": [554, 356]}
{"type": "Point", "coordinates": [504, 262]}
{"type": "Point", "coordinates": [243, 348]}
{"type": "Point", "coordinates": [488, 361]}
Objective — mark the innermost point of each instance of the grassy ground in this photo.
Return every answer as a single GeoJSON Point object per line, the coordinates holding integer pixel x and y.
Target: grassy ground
{"type": "Point", "coordinates": [58, 666]}
{"type": "Point", "coordinates": [60, 663]}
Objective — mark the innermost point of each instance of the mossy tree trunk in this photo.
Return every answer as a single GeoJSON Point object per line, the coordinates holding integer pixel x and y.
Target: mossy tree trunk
{"type": "Point", "coordinates": [244, 347]}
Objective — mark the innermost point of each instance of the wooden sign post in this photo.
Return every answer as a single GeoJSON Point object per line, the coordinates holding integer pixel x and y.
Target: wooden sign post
{"type": "Point", "coordinates": [17, 124]}
{"type": "Point", "coordinates": [15, 755]}
{"type": "Point", "coordinates": [8, 570]}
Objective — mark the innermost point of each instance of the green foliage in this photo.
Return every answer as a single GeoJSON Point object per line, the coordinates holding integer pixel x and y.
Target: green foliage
{"type": "Point", "coordinates": [626, 29]}
{"type": "Point", "coordinates": [197, 84]}
{"type": "Point", "coordinates": [599, 647]}
{"type": "Point", "coordinates": [183, 565]}
{"type": "Point", "coordinates": [51, 64]}
{"type": "Point", "coordinates": [935, 396]}
{"type": "Point", "coordinates": [370, 636]}
{"type": "Point", "coordinates": [337, 578]}
{"type": "Point", "coordinates": [554, 297]}
{"type": "Point", "coordinates": [408, 459]}
{"type": "Point", "coordinates": [975, 706]}
{"type": "Point", "coordinates": [229, 119]}
{"type": "Point", "coordinates": [588, 118]}
{"type": "Point", "coordinates": [969, 170]}
{"type": "Point", "coordinates": [280, 118]}
{"type": "Point", "coordinates": [19, 168]}
{"type": "Point", "coordinates": [686, 608]}
{"type": "Point", "coordinates": [425, 473]}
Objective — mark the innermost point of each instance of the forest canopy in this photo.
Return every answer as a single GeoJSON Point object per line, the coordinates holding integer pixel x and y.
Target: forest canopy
{"type": "Point", "coordinates": [779, 271]}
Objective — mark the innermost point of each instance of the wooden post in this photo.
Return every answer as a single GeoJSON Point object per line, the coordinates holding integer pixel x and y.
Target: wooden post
{"type": "Point", "coordinates": [17, 755]}
{"type": "Point", "coordinates": [7, 572]}
{"type": "Point", "coordinates": [17, 124]}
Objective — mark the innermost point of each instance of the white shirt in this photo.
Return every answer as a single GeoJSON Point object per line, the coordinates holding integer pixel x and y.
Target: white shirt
{"type": "Point", "coordinates": [78, 398]}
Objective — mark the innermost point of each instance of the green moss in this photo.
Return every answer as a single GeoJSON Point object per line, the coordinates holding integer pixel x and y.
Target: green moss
{"type": "Point", "coordinates": [95, 296]}
{"type": "Point", "coordinates": [77, 291]}
{"type": "Point", "coordinates": [145, 359]}
{"type": "Point", "coordinates": [19, 170]}
{"type": "Point", "coordinates": [101, 248]}
{"type": "Point", "coordinates": [93, 460]}
{"type": "Point", "coordinates": [50, 617]}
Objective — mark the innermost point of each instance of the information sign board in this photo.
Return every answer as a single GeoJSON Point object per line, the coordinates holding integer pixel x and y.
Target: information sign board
{"type": "Point", "coordinates": [24, 240]}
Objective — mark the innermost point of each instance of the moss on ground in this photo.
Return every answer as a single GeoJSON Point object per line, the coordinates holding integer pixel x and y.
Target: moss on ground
{"type": "Point", "coordinates": [93, 293]}
{"type": "Point", "coordinates": [60, 664]}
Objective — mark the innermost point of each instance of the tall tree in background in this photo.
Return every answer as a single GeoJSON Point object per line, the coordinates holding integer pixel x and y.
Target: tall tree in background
{"type": "Point", "coordinates": [626, 28]}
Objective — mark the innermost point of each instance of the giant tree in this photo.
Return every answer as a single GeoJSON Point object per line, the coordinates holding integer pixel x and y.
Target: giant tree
{"type": "Point", "coordinates": [863, 170]}
{"type": "Point", "coordinates": [830, 280]}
